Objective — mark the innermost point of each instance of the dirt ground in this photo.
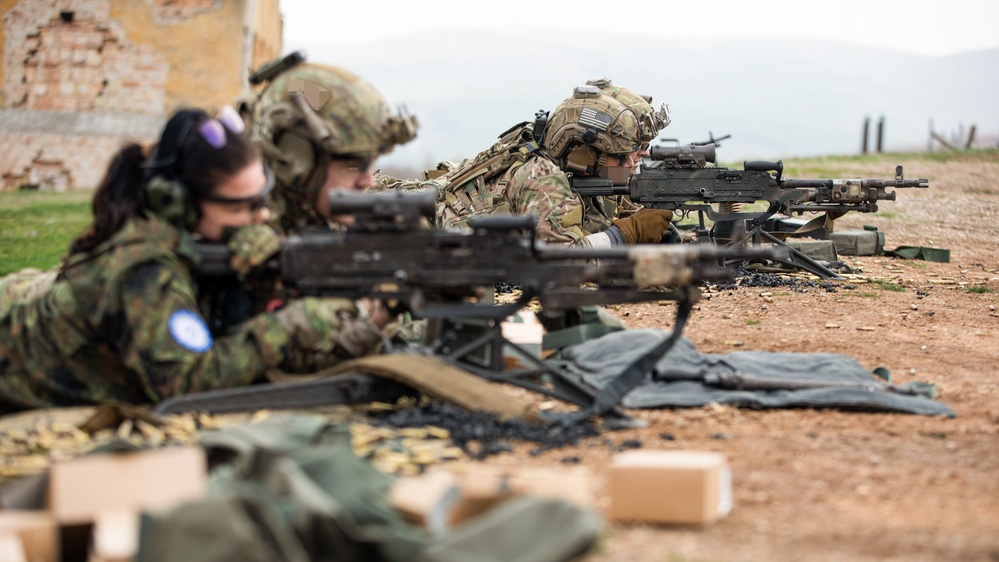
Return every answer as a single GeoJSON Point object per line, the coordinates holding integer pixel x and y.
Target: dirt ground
{"type": "Point", "coordinates": [824, 485]}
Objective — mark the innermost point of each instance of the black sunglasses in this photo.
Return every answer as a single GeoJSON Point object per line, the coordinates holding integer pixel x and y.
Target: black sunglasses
{"type": "Point", "coordinates": [256, 202]}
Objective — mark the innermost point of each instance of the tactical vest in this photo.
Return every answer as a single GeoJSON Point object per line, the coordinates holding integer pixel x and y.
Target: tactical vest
{"type": "Point", "coordinates": [470, 188]}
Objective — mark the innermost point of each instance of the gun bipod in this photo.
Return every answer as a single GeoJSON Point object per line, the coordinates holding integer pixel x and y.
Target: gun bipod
{"type": "Point", "coordinates": [754, 236]}
{"type": "Point", "coordinates": [795, 258]}
{"type": "Point", "coordinates": [479, 346]}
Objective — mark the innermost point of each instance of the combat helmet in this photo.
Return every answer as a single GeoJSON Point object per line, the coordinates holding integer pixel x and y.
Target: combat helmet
{"type": "Point", "coordinates": [309, 113]}
{"type": "Point", "coordinates": [584, 129]}
{"type": "Point", "coordinates": [651, 120]}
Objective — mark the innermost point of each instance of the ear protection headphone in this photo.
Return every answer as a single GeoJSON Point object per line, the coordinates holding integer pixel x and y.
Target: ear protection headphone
{"type": "Point", "coordinates": [166, 195]}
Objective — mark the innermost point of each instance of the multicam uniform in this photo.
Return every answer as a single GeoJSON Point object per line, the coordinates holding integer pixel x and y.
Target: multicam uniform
{"type": "Point", "coordinates": [517, 176]}
{"type": "Point", "coordinates": [309, 114]}
{"type": "Point", "coordinates": [122, 323]}
{"type": "Point", "coordinates": [535, 185]}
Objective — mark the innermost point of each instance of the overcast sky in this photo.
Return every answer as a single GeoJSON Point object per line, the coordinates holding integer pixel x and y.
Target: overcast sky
{"type": "Point", "coordinates": [927, 27]}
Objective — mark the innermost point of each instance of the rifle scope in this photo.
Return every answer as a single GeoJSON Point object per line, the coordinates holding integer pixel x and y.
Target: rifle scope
{"type": "Point", "coordinates": [684, 154]}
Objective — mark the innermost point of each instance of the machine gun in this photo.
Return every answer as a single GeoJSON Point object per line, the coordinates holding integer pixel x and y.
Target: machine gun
{"type": "Point", "coordinates": [442, 275]}
{"type": "Point", "coordinates": [679, 179]}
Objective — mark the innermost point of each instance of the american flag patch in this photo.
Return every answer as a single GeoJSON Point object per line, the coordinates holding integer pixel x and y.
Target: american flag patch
{"type": "Point", "coordinates": [593, 118]}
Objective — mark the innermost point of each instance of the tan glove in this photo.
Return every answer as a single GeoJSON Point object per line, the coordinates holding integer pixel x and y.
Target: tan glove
{"type": "Point", "coordinates": [646, 226]}
{"type": "Point", "coordinates": [251, 246]}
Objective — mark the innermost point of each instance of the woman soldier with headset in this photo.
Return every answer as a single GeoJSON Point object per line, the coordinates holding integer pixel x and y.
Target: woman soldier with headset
{"type": "Point", "coordinates": [121, 322]}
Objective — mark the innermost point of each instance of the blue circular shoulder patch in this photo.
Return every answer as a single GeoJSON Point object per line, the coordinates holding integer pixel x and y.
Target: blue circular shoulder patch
{"type": "Point", "coordinates": [190, 331]}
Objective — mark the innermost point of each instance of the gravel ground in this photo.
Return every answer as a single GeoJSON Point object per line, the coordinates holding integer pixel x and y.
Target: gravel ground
{"type": "Point", "coordinates": [827, 485]}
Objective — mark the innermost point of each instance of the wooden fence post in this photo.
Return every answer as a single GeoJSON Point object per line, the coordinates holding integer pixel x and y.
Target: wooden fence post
{"type": "Point", "coordinates": [863, 139]}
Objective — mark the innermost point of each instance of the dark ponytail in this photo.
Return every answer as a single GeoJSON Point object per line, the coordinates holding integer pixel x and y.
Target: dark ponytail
{"type": "Point", "coordinates": [190, 160]}
{"type": "Point", "coordinates": [118, 198]}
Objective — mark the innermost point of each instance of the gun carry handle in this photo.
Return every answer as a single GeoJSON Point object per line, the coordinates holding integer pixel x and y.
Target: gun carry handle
{"type": "Point", "coordinates": [764, 166]}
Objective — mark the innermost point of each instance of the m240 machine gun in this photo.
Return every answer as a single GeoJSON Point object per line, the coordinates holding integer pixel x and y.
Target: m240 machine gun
{"type": "Point", "coordinates": [679, 179]}
{"type": "Point", "coordinates": [440, 275]}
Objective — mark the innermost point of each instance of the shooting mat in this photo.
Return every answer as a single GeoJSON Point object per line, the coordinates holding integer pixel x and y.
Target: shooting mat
{"type": "Point", "coordinates": [675, 379]}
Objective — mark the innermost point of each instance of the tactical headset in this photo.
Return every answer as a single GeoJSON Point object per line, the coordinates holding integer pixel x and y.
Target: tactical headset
{"type": "Point", "coordinates": [166, 195]}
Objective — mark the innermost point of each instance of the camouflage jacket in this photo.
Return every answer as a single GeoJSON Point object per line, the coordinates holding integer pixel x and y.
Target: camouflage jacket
{"type": "Point", "coordinates": [122, 323]}
{"type": "Point", "coordinates": [536, 185]}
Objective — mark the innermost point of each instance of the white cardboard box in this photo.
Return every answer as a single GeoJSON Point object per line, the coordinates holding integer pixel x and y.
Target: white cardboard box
{"type": "Point", "coordinates": [681, 487]}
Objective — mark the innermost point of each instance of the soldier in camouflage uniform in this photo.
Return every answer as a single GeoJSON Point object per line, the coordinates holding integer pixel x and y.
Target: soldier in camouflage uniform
{"type": "Point", "coordinates": [321, 128]}
{"type": "Point", "coordinates": [602, 130]}
{"type": "Point", "coordinates": [121, 322]}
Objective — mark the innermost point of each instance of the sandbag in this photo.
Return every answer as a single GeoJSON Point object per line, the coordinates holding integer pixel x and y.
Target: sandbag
{"type": "Point", "coordinates": [867, 242]}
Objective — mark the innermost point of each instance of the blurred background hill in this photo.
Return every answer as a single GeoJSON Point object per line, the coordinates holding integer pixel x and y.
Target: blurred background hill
{"type": "Point", "coordinates": [778, 98]}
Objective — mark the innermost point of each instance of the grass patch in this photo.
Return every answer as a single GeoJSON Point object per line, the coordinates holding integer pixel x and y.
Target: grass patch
{"type": "Point", "coordinates": [979, 289]}
{"type": "Point", "coordinates": [36, 227]}
{"type": "Point", "coordinates": [888, 214]}
{"type": "Point", "coordinates": [933, 434]}
{"type": "Point", "coordinates": [752, 322]}
{"type": "Point", "coordinates": [888, 286]}
{"type": "Point", "coordinates": [975, 191]}
{"type": "Point", "coordinates": [866, 295]}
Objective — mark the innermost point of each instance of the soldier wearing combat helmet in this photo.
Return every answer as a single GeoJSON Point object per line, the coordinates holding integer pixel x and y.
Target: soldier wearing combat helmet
{"type": "Point", "coordinates": [601, 211]}
{"type": "Point", "coordinates": [592, 133]}
{"type": "Point", "coordinates": [320, 128]}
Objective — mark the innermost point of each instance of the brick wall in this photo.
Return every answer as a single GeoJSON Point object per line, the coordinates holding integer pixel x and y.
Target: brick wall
{"type": "Point", "coordinates": [81, 77]}
{"type": "Point", "coordinates": [79, 60]}
{"type": "Point", "coordinates": [55, 150]}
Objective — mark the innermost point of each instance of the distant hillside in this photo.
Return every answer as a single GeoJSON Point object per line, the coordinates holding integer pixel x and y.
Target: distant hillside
{"type": "Point", "coordinates": [777, 98]}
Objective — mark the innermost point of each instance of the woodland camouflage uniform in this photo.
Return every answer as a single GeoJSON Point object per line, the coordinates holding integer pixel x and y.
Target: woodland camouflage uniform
{"type": "Point", "coordinates": [121, 323]}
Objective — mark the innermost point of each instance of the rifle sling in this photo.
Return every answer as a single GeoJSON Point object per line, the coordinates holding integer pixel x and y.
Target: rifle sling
{"type": "Point", "coordinates": [353, 388]}
{"type": "Point", "coordinates": [440, 380]}
{"type": "Point", "coordinates": [377, 378]}
{"type": "Point", "coordinates": [610, 396]}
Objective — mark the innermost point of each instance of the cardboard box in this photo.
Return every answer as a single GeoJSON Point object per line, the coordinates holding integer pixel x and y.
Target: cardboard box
{"type": "Point", "coordinates": [115, 537]}
{"type": "Point", "coordinates": [83, 488]}
{"type": "Point", "coordinates": [441, 499]}
{"type": "Point", "coordinates": [681, 487]}
{"type": "Point", "coordinates": [427, 500]}
{"type": "Point", "coordinates": [525, 330]}
{"type": "Point", "coordinates": [32, 535]}
{"type": "Point", "coordinates": [574, 486]}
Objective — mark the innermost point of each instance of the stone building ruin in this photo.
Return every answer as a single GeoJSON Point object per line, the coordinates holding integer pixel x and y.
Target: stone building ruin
{"type": "Point", "coordinates": [81, 77]}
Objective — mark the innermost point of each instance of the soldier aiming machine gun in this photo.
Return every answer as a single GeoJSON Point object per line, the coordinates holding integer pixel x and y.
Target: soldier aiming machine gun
{"type": "Point", "coordinates": [678, 179]}
{"type": "Point", "coordinates": [441, 274]}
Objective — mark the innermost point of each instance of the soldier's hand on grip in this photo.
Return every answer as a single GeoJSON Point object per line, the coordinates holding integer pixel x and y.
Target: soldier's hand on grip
{"type": "Point", "coordinates": [647, 226]}
{"type": "Point", "coordinates": [251, 246]}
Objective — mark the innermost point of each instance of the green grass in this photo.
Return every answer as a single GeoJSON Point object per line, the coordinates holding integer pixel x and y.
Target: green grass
{"type": "Point", "coordinates": [933, 434]}
{"type": "Point", "coordinates": [36, 227]}
{"type": "Point", "coordinates": [889, 286]}
{"type": "Point", "coordinates": [752, 322]}
{"type": "Point", "coordinates": [977, 289]}
{"type": "Point", "coordinates": [974, 191]}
